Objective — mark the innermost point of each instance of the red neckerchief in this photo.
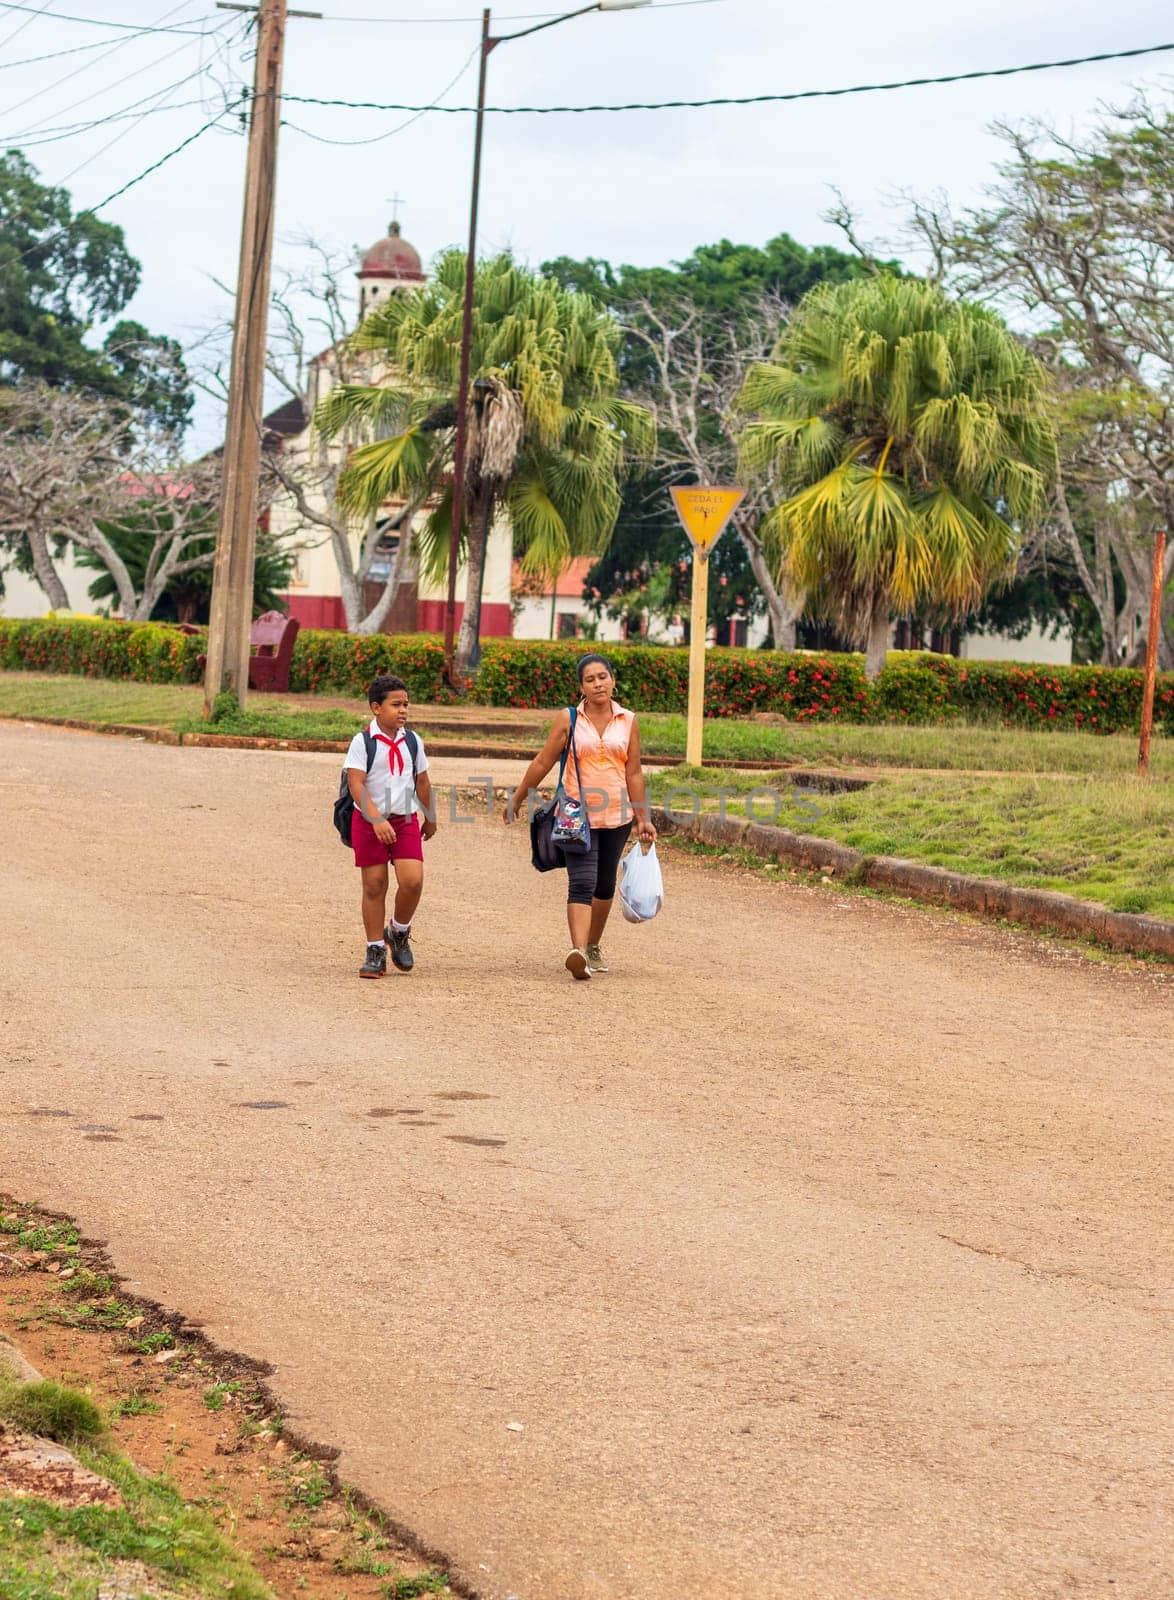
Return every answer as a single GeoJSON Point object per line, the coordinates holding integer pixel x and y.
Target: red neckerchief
{"type": "Point", "coordinates": [395, 759]}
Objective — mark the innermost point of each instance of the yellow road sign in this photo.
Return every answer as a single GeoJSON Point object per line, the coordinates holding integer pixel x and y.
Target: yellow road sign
{"type": "Point", "coordinates": [704, 510]}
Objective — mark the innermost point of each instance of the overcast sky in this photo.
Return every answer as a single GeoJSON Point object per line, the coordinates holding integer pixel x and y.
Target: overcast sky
{"type": "Point", "coordinates": [640, 187]}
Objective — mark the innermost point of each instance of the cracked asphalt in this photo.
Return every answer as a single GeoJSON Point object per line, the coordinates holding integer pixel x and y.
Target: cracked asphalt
{"type": "Point", "coordinates": [820, 1250]}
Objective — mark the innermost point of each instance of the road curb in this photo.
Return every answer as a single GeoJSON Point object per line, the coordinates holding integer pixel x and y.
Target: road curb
{"type": "Point", "coordinates": [122, 730]}
{"type": "Point", "coordinates": [475, 750]}
{"type": "Point", "coordinates": [1045, 909]}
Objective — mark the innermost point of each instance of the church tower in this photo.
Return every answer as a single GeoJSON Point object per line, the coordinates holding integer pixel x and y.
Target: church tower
{"type": "Point", "coordinates": [390, 266]}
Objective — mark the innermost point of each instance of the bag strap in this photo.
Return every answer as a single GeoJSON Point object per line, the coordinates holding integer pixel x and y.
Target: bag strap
{"type": "Point", "coordinates": [569, 749]}
{"type": "Point", "coordinates": [370, 746]}
{"type": "Point", "coordinates": [413, 745]}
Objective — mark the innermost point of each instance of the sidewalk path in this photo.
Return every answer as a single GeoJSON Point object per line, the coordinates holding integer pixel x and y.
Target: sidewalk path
{"type": "Point", "coordinates": [814, 1254]}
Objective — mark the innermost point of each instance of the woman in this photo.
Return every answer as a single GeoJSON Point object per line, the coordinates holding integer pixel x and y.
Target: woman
{"type": "Point", "coordinates": [607, 743]}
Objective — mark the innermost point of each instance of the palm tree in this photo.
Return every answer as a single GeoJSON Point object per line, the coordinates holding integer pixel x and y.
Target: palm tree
{"type": "Point", "coordinates": [909, 447]}
{"type": "Point", "coordinates": [548, 436]}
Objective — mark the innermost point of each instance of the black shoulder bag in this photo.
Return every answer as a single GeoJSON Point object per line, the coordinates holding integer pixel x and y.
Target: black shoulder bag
{"type": "Point", "coordinates": [545, 854]}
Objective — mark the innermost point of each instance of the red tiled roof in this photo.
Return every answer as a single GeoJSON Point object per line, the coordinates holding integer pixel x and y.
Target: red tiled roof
{"type": "Point", "coordinates": [571, 579]}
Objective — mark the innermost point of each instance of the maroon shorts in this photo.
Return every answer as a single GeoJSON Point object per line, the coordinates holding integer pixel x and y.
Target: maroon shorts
{"type": "Point", "coordinates": [369, 852]}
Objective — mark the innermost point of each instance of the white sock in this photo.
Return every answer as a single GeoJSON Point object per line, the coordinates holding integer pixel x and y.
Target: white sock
{"type": "Point", "coordinates": [374, 944]}
{"type": "Point", "coordinates": [400, 927]}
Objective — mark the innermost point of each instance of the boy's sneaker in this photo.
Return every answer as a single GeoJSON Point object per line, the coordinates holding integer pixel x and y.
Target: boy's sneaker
{"type": "Point", "coordinates": [375, 966]}
{"type": "Point", "coordinates": [595, 959]}
{"type": "Point", "coordinates": [400, 947]}
{"type": "Point", "coordinates": [577, 964]}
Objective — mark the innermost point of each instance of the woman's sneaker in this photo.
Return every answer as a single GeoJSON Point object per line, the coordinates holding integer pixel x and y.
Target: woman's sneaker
{"type": "Point", "coordinates": [577, 964]}
{"type": "Point", "coordinates": [375, 966]}
{"type": "Point", "coordinates": [400, 947]}
{"type": "Point", "coordinates": [595, 958]}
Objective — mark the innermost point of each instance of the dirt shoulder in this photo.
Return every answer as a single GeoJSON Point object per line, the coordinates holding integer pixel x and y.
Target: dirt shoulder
{"type": "Point", "coordinates": [183, 1412]}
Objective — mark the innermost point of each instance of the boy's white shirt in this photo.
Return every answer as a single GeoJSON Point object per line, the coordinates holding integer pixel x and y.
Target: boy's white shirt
{"type": "Point", "coordinates": [392, 793]}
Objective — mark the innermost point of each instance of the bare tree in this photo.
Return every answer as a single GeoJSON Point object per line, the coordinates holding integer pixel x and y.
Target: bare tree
{"type": "Point", "coordinates": [73, 466]}
{"type": "Point", "coordinates": [1079, 237]}
{"type": "Point", "coordinates": [698, 364]}
{"type": "Point", "coordinates": [311, 317]}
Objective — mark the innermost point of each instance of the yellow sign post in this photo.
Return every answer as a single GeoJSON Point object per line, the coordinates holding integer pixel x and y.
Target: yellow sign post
{"type": "Point", "coordinates": [704, 511]}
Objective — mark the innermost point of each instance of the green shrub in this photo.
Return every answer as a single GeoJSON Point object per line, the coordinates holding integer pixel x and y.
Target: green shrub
{"type": "Point", "coordinates": [51, 1411]}
{"type": "Point", "coordinates": [324, 659]}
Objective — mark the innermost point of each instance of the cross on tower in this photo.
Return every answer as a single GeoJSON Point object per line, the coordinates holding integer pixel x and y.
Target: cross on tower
{"type": "Point", "coordinates": [395, 200]}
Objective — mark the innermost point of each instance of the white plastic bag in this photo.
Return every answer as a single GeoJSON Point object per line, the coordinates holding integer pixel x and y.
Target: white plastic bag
{"type": "Point", "coordinates": [641, 885]}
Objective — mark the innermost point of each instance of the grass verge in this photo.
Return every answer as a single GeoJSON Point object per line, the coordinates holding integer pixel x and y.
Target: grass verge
{"type": "Point", "coordinates": [54, 1552]}
{"type": "Point", "coordinates": [1108, 839]}
{"type": "Point", "coordinates": [957, 747]}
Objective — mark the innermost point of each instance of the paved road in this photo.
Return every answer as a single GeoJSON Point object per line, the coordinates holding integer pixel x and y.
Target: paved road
{"type": "Point", "coordinates": [816, 1250]}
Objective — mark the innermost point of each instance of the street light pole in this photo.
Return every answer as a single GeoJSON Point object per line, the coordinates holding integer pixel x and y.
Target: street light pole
{"type": "Point", "coordinates": [489, 43]}
{"type": "Point", "coordinates": [458, 464]}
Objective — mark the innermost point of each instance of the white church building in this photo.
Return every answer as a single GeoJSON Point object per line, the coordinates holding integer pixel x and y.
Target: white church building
{"type": "Point", "coordinates": [390, 266]}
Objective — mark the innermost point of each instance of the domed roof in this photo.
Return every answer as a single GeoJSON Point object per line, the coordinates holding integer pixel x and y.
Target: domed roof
{"type": "Point", "coordinates": [393, 257]}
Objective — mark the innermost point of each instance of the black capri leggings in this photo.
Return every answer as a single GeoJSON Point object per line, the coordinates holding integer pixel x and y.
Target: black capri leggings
{"type": "Point", "coordinates": [592, 875]}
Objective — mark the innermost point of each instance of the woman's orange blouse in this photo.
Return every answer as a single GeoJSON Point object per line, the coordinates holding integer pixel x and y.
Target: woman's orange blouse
{"type": "Point", "coordinates": [603, 759]}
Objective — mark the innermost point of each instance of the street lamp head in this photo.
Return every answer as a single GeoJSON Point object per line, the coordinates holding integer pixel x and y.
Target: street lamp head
{"type": "Point", "coordinates": [622, 5]}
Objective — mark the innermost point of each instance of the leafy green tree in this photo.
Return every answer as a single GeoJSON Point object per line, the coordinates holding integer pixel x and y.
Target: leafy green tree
{"type": "Point", "coordinates": [691, 332]}
{"type": "Point", "coordinates": [716, 278]}
{"type": "Point", "coordinates": [908, 442]}
{"type": "Point", "coordinates": [548, 434]}
{"type": "Point", "coordinates": [62, 276]}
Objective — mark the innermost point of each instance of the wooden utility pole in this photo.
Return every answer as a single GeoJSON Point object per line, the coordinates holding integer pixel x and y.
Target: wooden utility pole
{"type": "Point", "coordinates": [1151, 654]}
{"type": "Point", "coordinates": [236, 540]}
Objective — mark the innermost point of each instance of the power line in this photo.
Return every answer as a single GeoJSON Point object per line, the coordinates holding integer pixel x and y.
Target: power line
{"type": "Point", "coordinates": [89, 211]}
{"type": "Point", "coordinates": [146, 172]}
{"type": "Point", "coordinates": [376, 138]}
{"type": "Point", "coordinates": [130, 112]}
{"type": "Point", "coordinates": [100, 22]}
{"type": "Point", "coordinates": [74, 130]}
{"type": "Point", "coordinates": [741, 100]}
{"type": "Point", "coordinates": [517, 16]}
{"type": "Point", "coordinates": [117, 83]}
{"type": "Point", "coordinates": [74, 50]}
{"type": "Point", "coordinates": [21, 26]}
{"type": "Point", "coordinates": [162, 95]}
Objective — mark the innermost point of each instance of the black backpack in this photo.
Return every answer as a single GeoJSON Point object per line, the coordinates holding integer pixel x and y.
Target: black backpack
{"type": "Point", "coordinates": [344, 806]}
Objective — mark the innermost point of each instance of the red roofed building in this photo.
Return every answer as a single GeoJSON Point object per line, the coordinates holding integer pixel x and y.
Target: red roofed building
{"type": "Point", "coordinates": [557, 611]}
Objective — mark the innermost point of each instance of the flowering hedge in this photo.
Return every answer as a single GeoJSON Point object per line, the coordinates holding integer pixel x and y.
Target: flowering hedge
{"type": "Point", "coordinates": [737, 682]}
{"type": "Point", "coordinates": [804, 687]}
{"type": "Point", "coordinates": [930, 688]}
{"type": "Point", "coordinates": [147, 652]}
{"type": "Point", "coordinates": [346, 662]}
{"type": "Point", "coordinates": [826, 687]}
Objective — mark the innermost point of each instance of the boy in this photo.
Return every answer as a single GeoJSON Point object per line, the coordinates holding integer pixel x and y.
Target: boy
{"type": "Point", "coordinates": [386, 827]}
